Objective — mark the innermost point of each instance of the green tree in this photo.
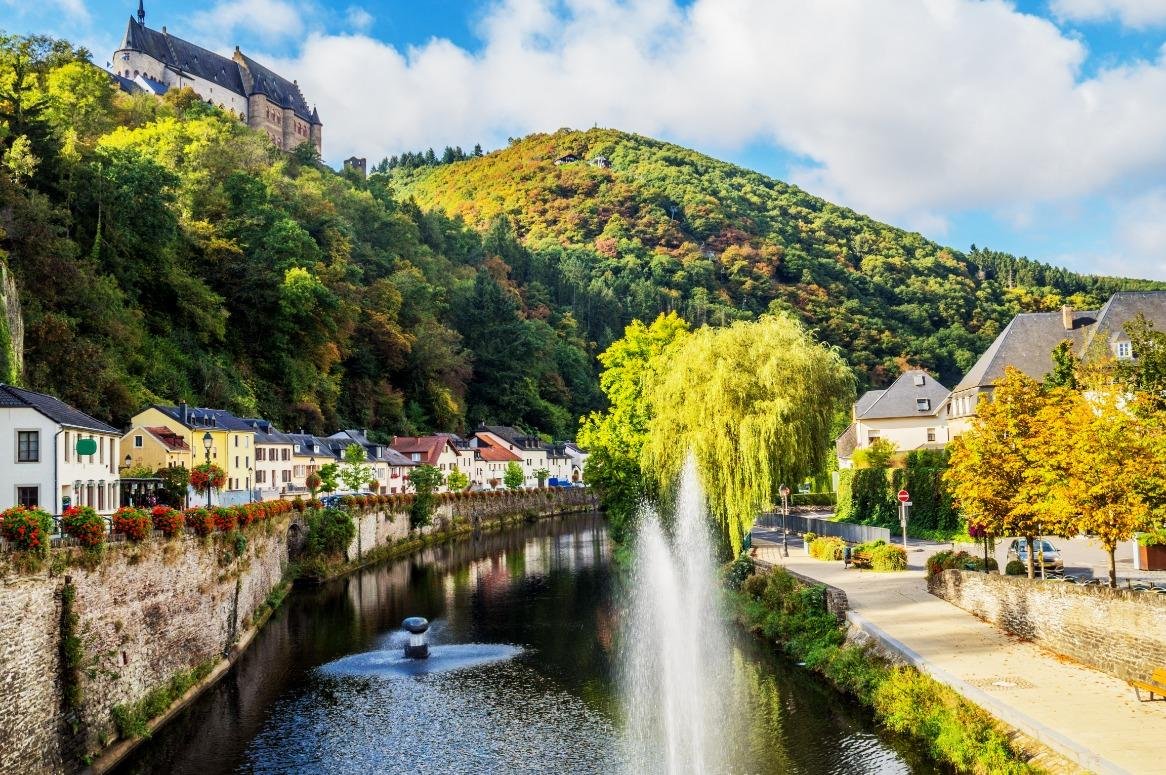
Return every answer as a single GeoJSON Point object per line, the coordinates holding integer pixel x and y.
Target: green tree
{"type": "Point", "coordinates": [355, 473]}
{"type": "Point", "coordinates": [1064, 373]}
{"type": "Point", "coordinates": [457, 481]}
{"type": "Point", "coordinates": [754, 404]}
{"type": "Point", "coordinates": [1145, 373]}
{"type": "Point", "coordinates": [513, 477]}
{"type": "Point", "coordinates": [542, 474]}
{"type": "Point", "coordinates": [425, 480]}
{"type": "Point", "coordinates": [329, 477]}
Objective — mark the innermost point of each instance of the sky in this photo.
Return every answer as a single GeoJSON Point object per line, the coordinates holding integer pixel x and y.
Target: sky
{"type": "Point", "coordinates": [1036, 127]}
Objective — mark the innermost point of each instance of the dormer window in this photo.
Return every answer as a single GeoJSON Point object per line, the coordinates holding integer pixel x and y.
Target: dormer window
{"type": "Point", "coordinates": [919, 380]}
{"type": "Point", "coordinates": [923, 404]}
{"type": "Point", "coordinates": [1124, 350]}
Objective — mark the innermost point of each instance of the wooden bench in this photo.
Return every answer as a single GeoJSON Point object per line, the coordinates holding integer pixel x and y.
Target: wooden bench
{"type": "Point", "coordinates": [860, 559]}
{"type": "Point", "coordinates": [1156, 684]}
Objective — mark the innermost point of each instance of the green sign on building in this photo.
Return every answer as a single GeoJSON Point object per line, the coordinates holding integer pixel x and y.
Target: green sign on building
{"type": "Point", "coordinates": [86, 446]}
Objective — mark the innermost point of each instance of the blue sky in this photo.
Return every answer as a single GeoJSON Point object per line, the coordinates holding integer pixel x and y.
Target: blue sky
{"type": "Point", "coordinates": [1035, 127]}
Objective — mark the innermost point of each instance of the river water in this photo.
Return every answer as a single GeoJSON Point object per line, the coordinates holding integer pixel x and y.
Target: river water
{"type": "Point", "coordinates": [322, 688]}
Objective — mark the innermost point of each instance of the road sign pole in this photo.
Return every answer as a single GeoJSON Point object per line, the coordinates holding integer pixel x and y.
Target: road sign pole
{"type": "Point", "coordinates": [784, 513]}
{"type": "Point", "coordinates": [904, 505]}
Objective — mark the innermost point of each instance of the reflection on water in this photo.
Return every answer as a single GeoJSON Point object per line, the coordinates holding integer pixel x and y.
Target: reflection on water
{"type": "Point", "coordinates": [310, 695]}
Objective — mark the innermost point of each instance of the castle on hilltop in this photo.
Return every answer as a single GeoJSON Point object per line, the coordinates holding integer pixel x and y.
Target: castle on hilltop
{"type": "Point", "coordinates": [155, 62]}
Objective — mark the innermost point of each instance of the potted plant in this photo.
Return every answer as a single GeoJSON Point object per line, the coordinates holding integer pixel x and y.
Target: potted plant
{"type": "Point", "coordinates": [167, 519]}
{"type": "Point", "coordinates": [30, 530]}
{"type": "Point", "coordinates": [134, 524]}
{"type": "Point", "coordinates": [84, 524]}
{"type": "Point", "coordinates": [1152, 550]}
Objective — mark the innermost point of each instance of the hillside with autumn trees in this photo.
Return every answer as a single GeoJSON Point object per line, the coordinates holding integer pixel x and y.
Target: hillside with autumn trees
{"type": "Point", "coordinates": [159, 250]}
{"type": "Point", "coordinates": [665, 228]}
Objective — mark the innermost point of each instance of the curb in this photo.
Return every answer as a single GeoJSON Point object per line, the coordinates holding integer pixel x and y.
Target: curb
{"type": "Point", "coordinates": [1063, 745]}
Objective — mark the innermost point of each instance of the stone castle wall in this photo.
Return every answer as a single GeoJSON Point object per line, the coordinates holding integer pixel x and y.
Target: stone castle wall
{"type": "Point", "coordinates": [1120, 632]}
{"type": "Point", "coordinates": [146, 612]}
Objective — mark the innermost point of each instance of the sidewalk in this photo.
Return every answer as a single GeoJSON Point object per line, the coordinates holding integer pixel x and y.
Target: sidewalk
{"type": "Point", "coordinates": [1085, 715]}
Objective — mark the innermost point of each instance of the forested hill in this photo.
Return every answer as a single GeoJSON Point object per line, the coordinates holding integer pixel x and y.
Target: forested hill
{"type": "Point", "coordinates": [668, 228]}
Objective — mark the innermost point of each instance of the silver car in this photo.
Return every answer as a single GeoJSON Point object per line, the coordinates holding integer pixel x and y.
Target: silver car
{"type": "Point", "coordinates": [1042, 549]}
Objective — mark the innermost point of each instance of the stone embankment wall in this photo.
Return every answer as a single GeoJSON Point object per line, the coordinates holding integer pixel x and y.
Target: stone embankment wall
{"type": "Point", "coordinates": [1120, 632]}
{"type": "Point", "coordinates": [144, 612]}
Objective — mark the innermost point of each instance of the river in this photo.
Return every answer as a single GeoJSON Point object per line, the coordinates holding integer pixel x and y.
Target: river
{"type": "Point", "coordinates": [549, 589]}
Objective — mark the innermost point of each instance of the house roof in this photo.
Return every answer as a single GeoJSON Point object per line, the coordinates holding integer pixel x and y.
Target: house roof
{"type": "Point", "coordinates": [53, 408]}
{"type": "Point", "coordinates": [379, 452]}
{"type": "Point", "coordinates": [513, 436]}
{"type": "Point", "coordinates": [901, 398]}
{"type": "Point", "coordinates": [1028, 341]}
{"type": "Point", "coordinates": [261, 80]}
{"type": "Point", "coordinates": [203, 418]}
{"type": "Point", "coordinates": [266, 432]}
{"type": "Point", "coordinates": [429, 447]}
{"type": "Point", "coordinates": [182, 55]}
{"type": "Point", "coordinates": [845, 444]}
{"type": "Point", "coordinates": [169, 439]}
{"type": "Point", "coordinates": [307, 444]}
{"type": "Point", "coordinates": [495, 453]}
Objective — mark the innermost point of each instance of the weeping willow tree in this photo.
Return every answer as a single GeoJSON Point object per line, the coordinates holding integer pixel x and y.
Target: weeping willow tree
{"type": "Point", "coordinates": [754, 403]}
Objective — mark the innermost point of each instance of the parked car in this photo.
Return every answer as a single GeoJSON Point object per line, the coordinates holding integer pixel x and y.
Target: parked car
{"type": "Point", "coordinates": [1018, 550]}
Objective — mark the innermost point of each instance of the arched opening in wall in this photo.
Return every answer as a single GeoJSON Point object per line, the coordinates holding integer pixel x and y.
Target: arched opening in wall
{"type": "Point", "coordinates": [295, 540]}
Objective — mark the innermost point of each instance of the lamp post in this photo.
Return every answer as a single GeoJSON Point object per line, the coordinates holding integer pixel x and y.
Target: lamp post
{"type": "Point", "coordinates": [207, 441]}
{"type": "Point", "coordinates": [784, 513]}
{"type": "Point", "coordinates": [129, 461]}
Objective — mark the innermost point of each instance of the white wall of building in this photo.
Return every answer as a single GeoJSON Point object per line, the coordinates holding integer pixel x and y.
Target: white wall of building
{"type": "Point", "coordinates": [130, 64]}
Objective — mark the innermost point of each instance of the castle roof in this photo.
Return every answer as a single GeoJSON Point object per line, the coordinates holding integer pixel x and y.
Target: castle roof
{"type": "Point", "coordinates": [260, 80]}
{"type": "Point", "coordinates": [183, 56]}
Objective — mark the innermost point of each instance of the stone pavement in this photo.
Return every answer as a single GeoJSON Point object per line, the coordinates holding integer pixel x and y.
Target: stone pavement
{"type": "Point", "coordinates": [1086, 716]}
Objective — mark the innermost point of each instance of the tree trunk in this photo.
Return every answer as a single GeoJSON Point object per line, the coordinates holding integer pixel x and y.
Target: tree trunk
{"type": "Point", "coordinates": [1113, 567]}
{"type": "Point", "coordinates": [1029, 540]}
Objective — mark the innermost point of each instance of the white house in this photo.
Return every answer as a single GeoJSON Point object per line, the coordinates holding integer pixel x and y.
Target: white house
{"type": "Point", "coordinates": [532, 454]}
{"type": "Point", "coordinates": [53, 456]}
{"type": "Point", "coordinates": [911, 414]}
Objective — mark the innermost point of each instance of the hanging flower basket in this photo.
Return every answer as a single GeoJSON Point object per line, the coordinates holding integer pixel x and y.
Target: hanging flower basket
{"type": "Point", "coordinates": [207, 476]}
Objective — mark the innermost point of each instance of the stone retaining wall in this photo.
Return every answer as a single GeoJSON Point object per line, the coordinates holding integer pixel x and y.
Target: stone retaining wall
{"type": "Point", "coordinates": [147, 611]}
{"type": "Point", "coordinates": [836, 601]}
{"type": "Point", "coordinates": [1120, 632]}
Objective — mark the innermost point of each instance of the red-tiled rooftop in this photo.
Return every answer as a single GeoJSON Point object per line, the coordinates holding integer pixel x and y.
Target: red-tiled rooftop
{"type": "Point", "coordinates": [169, 438]}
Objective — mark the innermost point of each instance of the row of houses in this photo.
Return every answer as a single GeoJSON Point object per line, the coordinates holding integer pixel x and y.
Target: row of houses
{"type": "Point", "coordinates": [918, 412]}
{"type": "Point", "coordinates": [58, 456]}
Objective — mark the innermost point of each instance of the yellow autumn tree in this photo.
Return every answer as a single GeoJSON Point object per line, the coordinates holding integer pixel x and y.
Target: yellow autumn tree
{"type": "Point", "coordinates": [1109, 462]}
{"type": "Point", "coordinates": [988, 464]}
{"type": "Point", "coordinates": [753, 402]}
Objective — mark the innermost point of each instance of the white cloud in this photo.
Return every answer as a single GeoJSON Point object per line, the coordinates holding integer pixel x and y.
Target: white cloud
{"type": "Point", "coordinates": [74, 10]}
{"type": "Point", "coordinates": [1131, 13]}
{"type": "Point", "coordinates": [358, 18]}
{"type": "Point", "coordinates": [908, 109]}
{"type": "Point", "coordinates": [270, 20]}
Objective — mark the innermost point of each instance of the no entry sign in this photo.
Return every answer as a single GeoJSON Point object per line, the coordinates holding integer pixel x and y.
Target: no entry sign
{"type": "Point", "coordinates": [904, 496]}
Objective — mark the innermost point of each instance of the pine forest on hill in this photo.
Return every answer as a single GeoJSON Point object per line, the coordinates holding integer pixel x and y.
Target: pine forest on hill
{"type": "Point", "coordinates": [164, 251]}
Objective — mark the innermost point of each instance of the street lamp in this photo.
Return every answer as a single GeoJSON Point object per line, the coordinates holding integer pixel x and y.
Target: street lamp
{"type": "Point", "coordinates": [207, 441]}
{"type": "Point", "coordinates": [784, 513]}
{"type": "Point", "coordinates": [129, 461]}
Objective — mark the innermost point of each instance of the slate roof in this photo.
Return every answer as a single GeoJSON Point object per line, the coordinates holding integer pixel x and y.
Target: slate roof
{"type": "Point", "coordinates": [900, 399]}
{"type": "Point", "coordinates": [378, 452]}
{"type": "Point", "coordinates": [1121, 308]}
{"type": "Point", "coordinates": [266, 433]}
{"type": "Point", "coordinates": [1027, 342]}
{"type": "Point", "coordinates": [514, 436]}
{"type": "Point", "coordinates": [184, 56]}
{"type": "Point", "coordinates": [203, 418]}
{"type": "Point", "coordinates": [260, 80]}
{"type": "Point", "coordinates": [314, 446]}
{"type": "Point", "coordinates": [53, 408]}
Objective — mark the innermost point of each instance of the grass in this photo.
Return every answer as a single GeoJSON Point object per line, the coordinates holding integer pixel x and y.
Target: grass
{"type": "Point", "coordinates": [132, 719]}
{"type": "Point", "coordinates": [956, 732]}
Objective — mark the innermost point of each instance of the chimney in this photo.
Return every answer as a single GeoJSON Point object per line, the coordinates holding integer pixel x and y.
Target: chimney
{"type": "Point", "coordinates": [183, 413]}
{"type": "Point", "coordinates": [1067, 317]}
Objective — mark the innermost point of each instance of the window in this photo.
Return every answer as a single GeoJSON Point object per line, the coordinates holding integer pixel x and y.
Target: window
{"type": "Point", "coordinates": [137, 441]}
{"type": "Point", "coordinates": [931, 434]}
{"type": "Point", "coordinates": [28, 446]}
{"type": "Point", "coordinates": [923, 404]}
{"type": "Point", "coordinates": [29, 497]}
{"type": "Point", "coordinates": [286, 455]}
{"type": "Point", "coordinates": [919, 380]}
{"type": "Point", "coordinates": [260, 476]}
{"type": "Point", "coordinates": [68, 448]}
{"type": "Point", "coordinates": [1124, 350]}
{"type": "Point", "coordinates": [260, 454]}
{"type": "Point", "coordinates": [101, 497]}
{"type": "Point", "coordinates": [286, 475]}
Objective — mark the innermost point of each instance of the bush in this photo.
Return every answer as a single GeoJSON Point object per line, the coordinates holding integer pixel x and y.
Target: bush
{"type": "Point", "coordinates": [961, 560]}
{"type": "Point", "coordinates": [888, 557]}
{"type": "Point", "coordinates": [808, 538]}
{"type": "Point", "coordinates": [827, 548]}
{"type": "Point", "coordinates": [167, 519]}
{"type": "Point", "coordinates": [813, 499]}
{"type": "Point", "coordinates": [1016, 568]}
{"type": "Point", "coordinates": [201, 521]}
{"type": "Point", "coordinates": [135, 524]}
{"type": "Point", "coordinates": [735, 573]}
{"type": "Point", "coordinates": [755, 585]}
{"type": "Point", "coordinates": [226, 519]}
{"type": "Point", "coordinates": [30, 530]}
{"type": "Point", "coordinates": [330, 531]}
{"type": "Point", "coordinates": [84, 524]}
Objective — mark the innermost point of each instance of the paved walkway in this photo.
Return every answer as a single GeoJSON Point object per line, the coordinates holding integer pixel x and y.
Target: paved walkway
{"type": "Point", "coordinates": [1081, 713]}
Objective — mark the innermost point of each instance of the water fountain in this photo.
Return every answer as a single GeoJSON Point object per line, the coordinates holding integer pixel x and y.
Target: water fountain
{"type": "Point", "coordinates": [675, 666]}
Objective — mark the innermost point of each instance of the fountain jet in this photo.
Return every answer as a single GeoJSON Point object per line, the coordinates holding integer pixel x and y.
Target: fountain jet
{"type": "Point", "coordinates": [418, 645]}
